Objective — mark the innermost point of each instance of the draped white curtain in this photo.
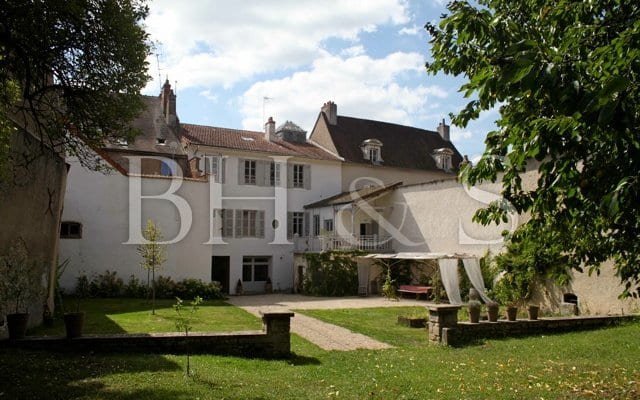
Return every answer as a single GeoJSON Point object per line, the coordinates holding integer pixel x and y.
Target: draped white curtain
{"type": "Point", "coordinates": [450, 281]}
{"type": "Point", "coordinates": [472, 268]}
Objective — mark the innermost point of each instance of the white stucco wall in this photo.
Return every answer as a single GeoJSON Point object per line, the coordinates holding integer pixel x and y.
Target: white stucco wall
{"type": "Point", "coordinates": [101, 203]}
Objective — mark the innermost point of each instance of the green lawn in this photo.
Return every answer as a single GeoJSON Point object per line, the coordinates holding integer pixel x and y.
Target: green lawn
{"type": "Point", "coordinates": [134, 316]}
{"type": "Point", "coordinates": [596, 364]}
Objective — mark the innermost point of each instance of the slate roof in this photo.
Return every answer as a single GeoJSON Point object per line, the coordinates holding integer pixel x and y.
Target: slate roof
{"type": "Point", "coordinates": [250, 141]}
{"type": "Point", "coordinates": [356, 195]}
{"type": "Point", "coordinates": [152, 125]}
{"type": "Point", "coordinates": [402, 146]}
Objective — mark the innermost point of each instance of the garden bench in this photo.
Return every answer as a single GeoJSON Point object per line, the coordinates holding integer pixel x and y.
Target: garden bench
{"type": "Point", "coordinates": [417, 290]}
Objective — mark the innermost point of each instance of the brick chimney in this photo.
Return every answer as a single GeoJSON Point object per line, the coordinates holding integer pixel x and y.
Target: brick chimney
{"type": "Point", "coordinates": [169, 104]}
{"type": "Point", "coordinates": [330, 109]}
{"type": "Point", "coordinates": [443, 130]}
{"type": "Point", "coordinates": [270, 130]}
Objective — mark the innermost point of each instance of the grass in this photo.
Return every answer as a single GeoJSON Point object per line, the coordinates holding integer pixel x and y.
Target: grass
{"type": "Point", "coordinates": [134, 316]}
{"type": "Point", "coordinates": [597, 364]}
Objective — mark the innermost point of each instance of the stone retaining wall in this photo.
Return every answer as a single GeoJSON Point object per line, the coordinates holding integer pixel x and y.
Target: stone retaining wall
{"type": "Point", "coordinates": [272, 342]}
{"type": "Point", "coordinates": [445, 329]}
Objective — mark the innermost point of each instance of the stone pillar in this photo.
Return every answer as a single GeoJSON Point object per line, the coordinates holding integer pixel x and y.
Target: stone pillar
{"type": "Point", "coordinates": [277, 326]}
{"type": "Point", "coordinates": [441, 316]}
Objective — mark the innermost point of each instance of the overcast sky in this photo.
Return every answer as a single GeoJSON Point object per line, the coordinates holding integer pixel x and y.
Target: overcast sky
{"type": "Point", "coordinates": [368, 57]}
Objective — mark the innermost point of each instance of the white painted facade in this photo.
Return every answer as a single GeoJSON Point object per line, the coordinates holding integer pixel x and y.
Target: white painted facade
{"type": "Point", "coordinates": [101, 204]}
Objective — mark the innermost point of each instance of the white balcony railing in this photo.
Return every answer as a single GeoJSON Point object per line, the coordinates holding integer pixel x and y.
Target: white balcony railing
{"type": "Point", "coordinates": [369, 243]}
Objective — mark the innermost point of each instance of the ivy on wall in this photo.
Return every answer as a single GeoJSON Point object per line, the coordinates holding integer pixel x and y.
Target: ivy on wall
{"type": "Point", "coordinates": [331, 273]}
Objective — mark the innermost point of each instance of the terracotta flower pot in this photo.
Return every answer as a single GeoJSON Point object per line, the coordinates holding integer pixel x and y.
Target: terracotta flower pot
{"type": "Point", "coordinates": [73, 323]}
{"type": "Point", "coordinates": [533, 312]}
{"type": "Point", "coordinates": [492, 312]}
{"type": "Point", "coordinates": [512, 313]}
{"type": "Point", "coordinates": [17, 324]}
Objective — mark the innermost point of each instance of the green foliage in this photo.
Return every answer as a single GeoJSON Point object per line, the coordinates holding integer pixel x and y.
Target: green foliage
{"type": "Point", "coordinates": [331, 273]}
{"type": "Point", "coordinates": [74, 65]}
{"type": "Point", "coordinates": [153, 254]}
{"type": "Point", "coordinates": [109, 285]}
{"type": "Point", "coordinates": [566, 80]}
{"type": "Point", "coordinates": [185, 320]}
{"type": "Point", "coordinates": [389, 287]}
{"type": "Point", "coordinates": [399, 270]}
{"type": "Point", "coordinates": [135, 288]}
{"type": "Point", "coordinates": [21, 282]}
{"type": "Point", "coordinates": [106, 285]}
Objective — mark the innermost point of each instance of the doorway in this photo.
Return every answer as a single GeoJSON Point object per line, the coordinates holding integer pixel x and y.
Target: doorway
{"type": "Point", "coordinates": [220, 271]}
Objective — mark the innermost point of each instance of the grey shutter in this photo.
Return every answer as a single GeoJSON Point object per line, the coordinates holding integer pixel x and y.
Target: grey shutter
{"type": "Point", "coordinates": [289, 224]}
{"type": "Point", "coordinates": [238, 223]}
{"type": "Point", "coordinates": [260, 224]}
{"type": "Point", "coordinates": [241, 171]}
{"type": "Point", "coordinates": [260, 171]}
{"type": "Point", "coordinates": [289, 175]}
{"type": "Point", "coordinates": [223, 169]}
{"type": "Point", "coordinates": [307, 176]}
{"type": "Point", "coordinates": [307, 223]}
{"type": "Point", "coordinates": [227, 228]}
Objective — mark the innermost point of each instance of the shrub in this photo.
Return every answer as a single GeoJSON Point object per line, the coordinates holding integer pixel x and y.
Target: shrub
{"type": "Point", "coordinates": [332, 273]}
{"type": "Point", "coordinates": [165, 287]}
{"type": "Point", "coordinates": [192, 288]}
{"type": "Point", "coordinates": [83, 289]}
{"type": "Point", "coordinates": [136, 289]}
{"type": "Point", "coordinates": [106, 285]}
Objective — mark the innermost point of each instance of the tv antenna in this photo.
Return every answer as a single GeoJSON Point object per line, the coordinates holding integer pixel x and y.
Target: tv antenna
{"type": "Point", "coordinates": [265, 99]}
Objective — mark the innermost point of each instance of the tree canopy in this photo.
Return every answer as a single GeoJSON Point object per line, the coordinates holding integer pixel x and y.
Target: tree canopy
{"type": "Point", "coordinates": [71, 72]}
{"type": "Point", "coordinates": [565, 76]}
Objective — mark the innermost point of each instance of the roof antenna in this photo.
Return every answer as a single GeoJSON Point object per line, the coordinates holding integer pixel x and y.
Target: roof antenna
{"type": "Point", "coordinates": [264, 101]}
{"type": "Point", "coordinates": [175, 87]}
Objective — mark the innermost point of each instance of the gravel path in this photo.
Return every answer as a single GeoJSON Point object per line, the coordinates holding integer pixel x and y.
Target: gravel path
{"type": "Point", "coordinates": [326, 336]}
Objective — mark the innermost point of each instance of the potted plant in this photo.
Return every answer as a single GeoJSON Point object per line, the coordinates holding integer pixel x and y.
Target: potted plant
{"type": "Point", "coordinates": [74, 321]}
{"type": "Point", "coordinates": [21, 284]}
{"type": "Point", "coordinates": [239, 289]}
{"type": "Point", "coordinates": [268, 286]}
{"type": "Point", "coordinates": [474, 311]}
{"type": "Point", "coordinates": [533, 311]}
{"type": "Point", "coordinates": [493, 309]}
{"type": "Point", "coordinates": [506, 293]}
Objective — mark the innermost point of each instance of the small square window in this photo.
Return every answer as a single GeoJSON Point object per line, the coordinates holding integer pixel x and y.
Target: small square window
{"type": "Point", "coordinates": [70, 230]}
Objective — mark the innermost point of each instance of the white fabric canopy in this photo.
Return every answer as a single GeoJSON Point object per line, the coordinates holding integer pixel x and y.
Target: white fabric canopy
{"type": "Point", "coordinates": [472, 268]}
{"type": "Point", "coordinates": [450, 281]}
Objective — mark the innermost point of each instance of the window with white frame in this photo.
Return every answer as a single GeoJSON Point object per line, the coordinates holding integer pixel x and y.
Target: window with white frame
{"type": "Point", "coordinates": [298, 176]}
{"type": "Point", "coordinates": [274, 174]}
{"type": "Point", "coordinates": [297, 223]}
{"type": "Point", "coordinates": [250, 172]}
{"type": "Point", "coordinates": [372, 150]}
{"type": "Point", "coordinates": [249, 223]}
{"type": "Point", "coordinates": [255, 269]}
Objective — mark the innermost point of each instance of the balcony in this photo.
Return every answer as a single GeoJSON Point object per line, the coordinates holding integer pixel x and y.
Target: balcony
{"type": "Point", "coordinates": [372, 243]}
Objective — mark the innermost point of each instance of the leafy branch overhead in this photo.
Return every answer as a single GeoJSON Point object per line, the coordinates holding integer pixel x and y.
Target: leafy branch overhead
{"type": "Point", "coordinates": [71, 71]}
{"type": "Point", "coordinates": [565, 76]}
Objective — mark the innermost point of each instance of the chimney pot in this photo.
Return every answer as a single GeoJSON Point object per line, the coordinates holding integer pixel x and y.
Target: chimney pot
{"type": "Point", "coordinates": [270, 129]}
{"type": "Point", "coordinates": [330, 109]}
{"type": "Point", "coordinates": [444, 131]}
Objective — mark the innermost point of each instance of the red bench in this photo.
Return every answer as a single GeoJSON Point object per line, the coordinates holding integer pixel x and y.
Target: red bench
{"type": "Point", "coordinates": [417, 290]}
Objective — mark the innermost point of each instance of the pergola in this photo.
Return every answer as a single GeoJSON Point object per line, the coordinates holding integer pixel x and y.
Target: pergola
{"type": "Point", "coordinates": [448, 263]}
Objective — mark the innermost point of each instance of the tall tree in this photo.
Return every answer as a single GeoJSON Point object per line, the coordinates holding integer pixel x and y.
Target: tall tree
{"type": "Point", "coordinates": [565, 76]}
{"type": "Point", "coordinates": [71, 72]}
{"type": "Point", "coordinates": [154, 254]}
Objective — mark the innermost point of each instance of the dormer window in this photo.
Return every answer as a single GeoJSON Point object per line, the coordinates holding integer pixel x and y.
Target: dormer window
{"type": "Point", "coordinates": [372, 150]}
{"type": "Point", "coordinates": [122, 142]}
{"type": "Point", "coordinates": [161, 141]}
{"type": "Point", "coordinates": [443, 158]}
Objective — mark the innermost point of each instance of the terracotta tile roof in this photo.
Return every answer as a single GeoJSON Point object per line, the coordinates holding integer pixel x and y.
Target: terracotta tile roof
{"type": "Point", "coordinates": [402, 146]}
{"type": "Point", "coordinates": [356, 195]}
{"type": "Point", "coordinates": [250, 141]}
